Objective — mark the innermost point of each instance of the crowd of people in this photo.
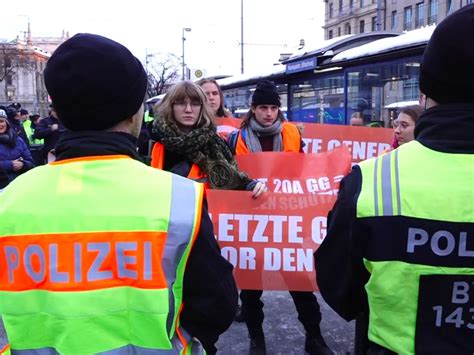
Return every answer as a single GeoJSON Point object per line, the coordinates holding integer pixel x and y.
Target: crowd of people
{"type": "Point", "coordinates": [15, 157]}
{"type": "Point", "coordinates": [128, 256]}
{"type": "Point", "coordinates": [26, 140]}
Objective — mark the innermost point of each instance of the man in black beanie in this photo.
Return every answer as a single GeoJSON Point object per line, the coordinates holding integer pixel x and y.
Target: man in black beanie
{"type": "Point", "coordinates": [265, 129]}
{"type": "Point", "coordinates": [400, 239]}
{"type": "Point", "coordinates": [16, 120]}
{"type": "Point", "coordinates": [266, 93]}
{"type": "Point", "coordinates": [50, 129]}
{"type": "Point", "coordinates": [113, 249]}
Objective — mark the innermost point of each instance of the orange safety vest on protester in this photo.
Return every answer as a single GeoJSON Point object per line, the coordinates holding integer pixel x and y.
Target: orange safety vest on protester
{"type": "Point", "coordinates": [158, 159]}
{"type": "Point", "coordinates": [291, 138]}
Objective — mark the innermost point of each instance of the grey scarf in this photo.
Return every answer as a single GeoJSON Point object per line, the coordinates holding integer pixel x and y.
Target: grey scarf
{"type": "Point", "coordinates": [254, 130]}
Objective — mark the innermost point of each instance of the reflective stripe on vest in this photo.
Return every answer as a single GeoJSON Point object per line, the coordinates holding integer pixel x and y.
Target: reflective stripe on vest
{"type": "Point", "coordinates": [382, 188]}
{"type": "Point", "coordinates": [5, 349]}
{"type": "Point", "coordinates": [195, 348]}
{"type": "Point", "coordinates": [417, 205]}
{"type": "Point", "coordinates": [291, 140]}
{"type": "Point", "coordinates": [127, 261]}
{"type": "Point", "coordinates": [158, 158]}
{"type": "Point", "coordinates": [386, 185]}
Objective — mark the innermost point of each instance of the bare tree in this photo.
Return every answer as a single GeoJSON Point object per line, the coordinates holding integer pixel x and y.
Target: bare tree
{"type": "Point", "coordinates": [14, 57]}
{"type": "Point", "coordinates": [163, 70]}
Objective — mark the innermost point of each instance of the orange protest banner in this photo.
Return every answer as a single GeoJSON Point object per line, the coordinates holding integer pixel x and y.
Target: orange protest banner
{"type": "Point", "coordinates": [298, 173]}
{"type": "Point", "coordinates": [271, 240]}
{"type": "Point", "coordinates": [363, 142]}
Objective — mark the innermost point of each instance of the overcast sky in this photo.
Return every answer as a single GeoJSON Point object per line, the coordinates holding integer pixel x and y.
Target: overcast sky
{"type": "Point", "coordinates": [270, 27]}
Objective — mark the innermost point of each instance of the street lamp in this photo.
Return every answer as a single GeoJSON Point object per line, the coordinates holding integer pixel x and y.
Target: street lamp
{"type": "Point", "coordinates": [186, 29]}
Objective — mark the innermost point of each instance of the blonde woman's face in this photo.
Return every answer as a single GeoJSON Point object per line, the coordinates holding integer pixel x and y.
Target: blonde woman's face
{"type": "Point", "coordinates": [186, 113]}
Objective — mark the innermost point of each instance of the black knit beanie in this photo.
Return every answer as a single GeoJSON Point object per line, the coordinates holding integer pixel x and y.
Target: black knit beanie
{"type": "Point", "coordinates": [94, 82]}
{"type": "Point", "coordinates": [11, 113]}
{"type": "Point", "coordinates": [266, 94]}
{"type": "Point", "coordinates": [447, 67]}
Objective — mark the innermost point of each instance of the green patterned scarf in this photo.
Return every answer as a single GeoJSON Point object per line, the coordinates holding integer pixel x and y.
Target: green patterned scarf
{"type": "Point", "coordinates": [205, 148]}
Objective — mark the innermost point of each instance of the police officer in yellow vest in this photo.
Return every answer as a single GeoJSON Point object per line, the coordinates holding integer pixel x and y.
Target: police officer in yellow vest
{"type": "Point", "coordinates": [400, 238]}
{"type": "Point", "coordinates": [29, 125]}
{"type": "Point", "coordinates": [100, 253]}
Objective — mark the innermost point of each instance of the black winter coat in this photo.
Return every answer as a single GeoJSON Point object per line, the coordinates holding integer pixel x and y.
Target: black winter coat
{"type": "Point", "coordinates": [43, 131]}
{"type": "Point", "coordinates": [12, 149]}
{"type": "Point", "coordinates": [341, 274]}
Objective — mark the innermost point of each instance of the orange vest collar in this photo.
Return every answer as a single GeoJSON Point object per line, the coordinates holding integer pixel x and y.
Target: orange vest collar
{"type": "Point", "coordinates": [90, 158]}
{"type": "Point", "coordinates": [290, 135]}
{"type": "Point", "coordinates": [158, 158]}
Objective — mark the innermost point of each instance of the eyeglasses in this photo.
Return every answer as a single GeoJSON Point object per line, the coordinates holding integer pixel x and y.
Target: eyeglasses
{"type": "Point", "coordinates": [401, 125]}
{"type": "Point", "coordinates": [183, 104]}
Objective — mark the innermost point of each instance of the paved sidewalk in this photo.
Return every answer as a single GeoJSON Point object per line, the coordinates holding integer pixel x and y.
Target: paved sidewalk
{"type": "Point", "coordinates": [284, 334]}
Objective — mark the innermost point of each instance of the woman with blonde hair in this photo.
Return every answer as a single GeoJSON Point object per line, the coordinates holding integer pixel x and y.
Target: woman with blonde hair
{"type": "Point", "coordinates": [187, 143]}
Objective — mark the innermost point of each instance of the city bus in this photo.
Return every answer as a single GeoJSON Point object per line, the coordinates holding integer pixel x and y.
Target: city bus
{"type": "Point", "coordinates": [361, 74]}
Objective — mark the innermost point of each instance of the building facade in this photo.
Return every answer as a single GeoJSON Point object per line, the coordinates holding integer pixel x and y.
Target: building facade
{"type": "Point", "coordinates": [344, 17]}
{"type": "Point", "coordinates": [406, 15]}
{"type": "Point", "coordinates": [22, 63]}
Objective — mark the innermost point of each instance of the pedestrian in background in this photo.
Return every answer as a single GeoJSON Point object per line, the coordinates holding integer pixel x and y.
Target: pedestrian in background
{"type": "Point", "coordinates": [404, 125]}
{"type": "Point", "coordinates": [400, 236]}
{"type": "Point", "coordinates": [24, 115]}
{"type": "Point", "coordinates": [15, 157]}
{"type": "Point", "coordinates": [356, 119]}
{"type": "Point", "coordinates": [126, 261]}
{"type": "Point", "coordinates": [215, 97]}
{"type": "Point", "coordinates": [16, 119]}
{"type": "Point", "coordinates": [265, 129]}
{"type": "Point", "coordinates": [30, 125]}
{"type": "Point", "coordinates": [50, 130]}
